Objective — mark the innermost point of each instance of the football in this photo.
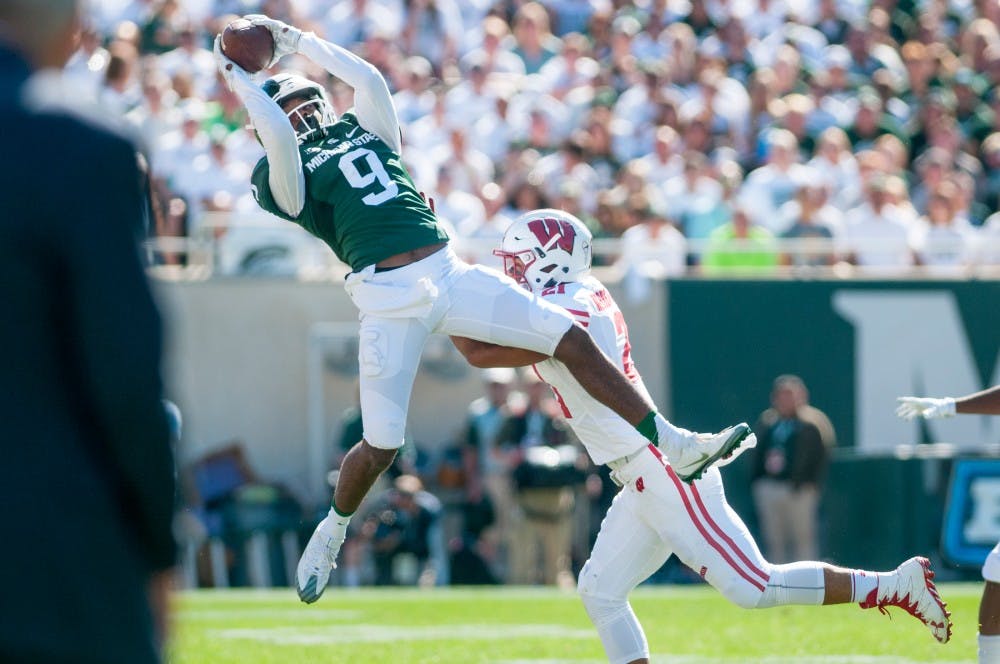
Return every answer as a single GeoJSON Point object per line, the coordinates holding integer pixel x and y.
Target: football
{"type": "Point", "coordinates": [248, 45]}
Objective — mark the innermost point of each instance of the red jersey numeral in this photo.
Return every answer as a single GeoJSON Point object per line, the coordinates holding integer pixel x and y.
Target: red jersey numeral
{"type": "Point", "coordinates": [621, 329]}
{"type": "Point", "coordinates": [558, 289]}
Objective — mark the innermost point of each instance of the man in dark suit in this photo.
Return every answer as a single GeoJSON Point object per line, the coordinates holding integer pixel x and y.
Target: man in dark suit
{"type": "Point", "coordinates": [86, 472]}
{"type": "Point", "coordinates": [788, 468]}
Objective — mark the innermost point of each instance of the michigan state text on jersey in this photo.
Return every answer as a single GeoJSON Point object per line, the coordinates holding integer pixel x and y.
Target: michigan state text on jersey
{"type": "Point", "coordinates": [359, 198]}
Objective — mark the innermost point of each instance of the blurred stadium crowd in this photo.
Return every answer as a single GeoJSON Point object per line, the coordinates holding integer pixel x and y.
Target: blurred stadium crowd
{"type": "Point", "coordinates": [713, 133]}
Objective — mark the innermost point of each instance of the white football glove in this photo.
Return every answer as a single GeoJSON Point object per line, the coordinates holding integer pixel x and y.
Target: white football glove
{"type": "Point", "coordinates": [229, 69]}
{"type": "Point", "coordinates": [911, 407]}
{"type": "Point", "coordinates": [286, 37]}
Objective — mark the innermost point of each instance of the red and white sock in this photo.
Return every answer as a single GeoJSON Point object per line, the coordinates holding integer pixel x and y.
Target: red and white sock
{"type": "Point", "coordinates": [862, 584]}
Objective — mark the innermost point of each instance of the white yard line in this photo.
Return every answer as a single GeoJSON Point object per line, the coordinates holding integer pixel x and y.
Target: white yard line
{"type": "Point", "coordinates": [370, 633]}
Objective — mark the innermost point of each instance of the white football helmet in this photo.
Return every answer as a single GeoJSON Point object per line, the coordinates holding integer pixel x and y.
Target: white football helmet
{"type": "Point", "coordinates": [546, 247]}
{"type": "Point", "coordinates": [312, 114]}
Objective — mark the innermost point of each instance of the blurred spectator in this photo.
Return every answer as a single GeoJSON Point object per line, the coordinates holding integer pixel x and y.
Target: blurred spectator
{"type": "Point", "coordinates": [652, 248]}
{"type": "Point", "coordinates": [740, 247]}
{"type": "Point", "coordinates": [544, 477]}
{"type": "Point", "coordinates": [941, 242]}
{"type": "Point", "coordinates": [769, 187]}
{"type": "Point", "coordinates": [486, 236]}
{"type": "Point", "coordinates": [494, 52]}
{"type": "Point", "coordinates": [569, 75]}
{"type": "Point", "coordinates": [464, 211]}
{"type": "Point", "coordinates": [87, 66]}
{"type": "Point", "coordinates": [488, 466]}
{"type": "Point", "coordinates": [813, 227]}
{"type": "Point", "coordinates": [875, 237]}
{"type": "Point", "coordinates": [694, 197]}
{"type": "Point", "coordinates": [990, 240]}
{"type": "Point", "coordinates": [836, 168]}
{"type": "Point", "coordinates": [414, 99]}
{"type": "Point", "coordinates": [405, 533]}
{"type": "Point", "coordinates": [432, 29]}
{"type": "Point", "coordinates": [212, 182]}
{"type": "Point", "coordinates": [190, 57]}
{"type": "Point", "coordinates": [120, 92]}
{"type": "Point", "coordinates": [664, 161]}
{"type": "Point", "coordinates": [536, 44]}
{"type": "Point", "coordinates": [789, 464]}
{"type": "Point", "coordinates": [179, 148]}
{"type": "Point", "coordinates": [354, 21]}
{"type": "Point", "coordinates": [473, 97]}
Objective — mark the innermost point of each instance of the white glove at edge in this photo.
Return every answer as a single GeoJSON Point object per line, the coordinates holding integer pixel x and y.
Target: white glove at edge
{"type": "Point", "coordinates": [926, 407]}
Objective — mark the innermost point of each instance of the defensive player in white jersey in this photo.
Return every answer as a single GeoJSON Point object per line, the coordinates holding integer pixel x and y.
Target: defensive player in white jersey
{"type": "Point", "coordinates": [656, 514]}
{"type": "Point", "coordinates": [343, 180]}
{"type": "Point", "coordinates": [986, 402]}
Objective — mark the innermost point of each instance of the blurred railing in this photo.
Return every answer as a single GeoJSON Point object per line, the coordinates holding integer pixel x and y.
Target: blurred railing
{"type": "Point", "coordinates": [268, 247]}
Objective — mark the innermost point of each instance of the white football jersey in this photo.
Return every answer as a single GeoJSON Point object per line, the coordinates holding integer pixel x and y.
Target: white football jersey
{"type": "Point", "coordinates": [605, 434]}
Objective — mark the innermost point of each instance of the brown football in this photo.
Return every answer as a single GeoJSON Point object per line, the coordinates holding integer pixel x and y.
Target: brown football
{"type": "Point", "coordinates": [248, 45]}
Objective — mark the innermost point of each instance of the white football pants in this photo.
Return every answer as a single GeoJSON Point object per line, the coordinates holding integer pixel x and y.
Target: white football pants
{"type": "Point", "coordinates": [400, 308]}
{"type": "Point", "coordinates": [655, 515]}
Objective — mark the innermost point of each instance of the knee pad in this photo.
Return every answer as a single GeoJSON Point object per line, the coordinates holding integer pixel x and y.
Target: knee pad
{"type": "Point", "coordinates": [601, 606]}
{"type": "Point", "coordinates": [742, 592]}
{"type": "Point", "coordinates": [616, 624]}
{"type": "Point", "coordinates": [794, 583]}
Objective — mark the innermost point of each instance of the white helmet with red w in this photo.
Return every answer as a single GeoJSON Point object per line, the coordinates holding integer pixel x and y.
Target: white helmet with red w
{"type": "Point", "coordinates": [545, 247]}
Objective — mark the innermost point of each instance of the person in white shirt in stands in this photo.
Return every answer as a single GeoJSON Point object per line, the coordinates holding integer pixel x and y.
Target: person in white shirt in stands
{"type": "Point", "coordinates": [472, 97]}
{"type": "Point", "coordinates": [354, 21]}
{"type": "Point", "coordinates": [875, 239]}
{"type": "Point", "coordinates": [493, 49]}
{"type": "Point", "coordinates": [470, 169]}
{"type": "Point", "coordinates": [664, 161]}
{"type": "Point", "coordinates": [767, 188]}
{"type": "Point", "coordinates": [652, 248]}
{"type": "Point", "coordinates": [414, 99]}
{"type": "Point", "coordinates": [836, 168]}
{"type": "Point", "coordinates": [190, 57]}
{"type": "Point", "coordinates": [570, 75]}
{"type": "Point", "coordinates": [464, 210]}
{"type": "Point", "coordinates": [943, 244]}
{"type": "Point", "coordinates": [178, 149]}
{"type": "Point", "coordinates": [989, 241]}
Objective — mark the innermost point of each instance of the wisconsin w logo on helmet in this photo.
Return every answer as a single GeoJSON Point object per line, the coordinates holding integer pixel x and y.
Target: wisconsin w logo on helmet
{"type": "Point", "coordinates": [545, 247]}
{"type": "Point", "coordinates": [553, 232]}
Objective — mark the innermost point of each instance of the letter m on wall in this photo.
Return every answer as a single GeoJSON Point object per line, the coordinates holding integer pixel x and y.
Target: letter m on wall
{"type": "Point", "coordinates": [911, 343]}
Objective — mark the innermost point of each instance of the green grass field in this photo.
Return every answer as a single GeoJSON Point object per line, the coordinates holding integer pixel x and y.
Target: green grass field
{"type": "Point", "coordinates": [521, 625]}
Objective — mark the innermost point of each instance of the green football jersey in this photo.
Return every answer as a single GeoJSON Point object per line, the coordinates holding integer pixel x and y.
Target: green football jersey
{"type": "Point", "coordinates": [359, 198]}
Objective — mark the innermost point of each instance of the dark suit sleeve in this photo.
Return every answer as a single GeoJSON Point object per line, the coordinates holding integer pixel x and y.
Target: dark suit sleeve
{"type": "Point", "coordinates": [116, 337]}
{"type": "Point", "coordinates": [810, 456]}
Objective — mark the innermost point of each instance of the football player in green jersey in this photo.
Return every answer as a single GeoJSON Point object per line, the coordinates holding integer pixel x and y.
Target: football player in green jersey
{"type": "Point", "coordinates": [342, 179]}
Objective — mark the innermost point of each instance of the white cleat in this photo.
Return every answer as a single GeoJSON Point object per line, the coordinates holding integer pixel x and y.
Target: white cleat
{"type": "Point", "coordinates": [706, 450]}
{"type": "Point", "coordinates": [316, 563]}
{"type": "Point", "coordinates": [911, 588]}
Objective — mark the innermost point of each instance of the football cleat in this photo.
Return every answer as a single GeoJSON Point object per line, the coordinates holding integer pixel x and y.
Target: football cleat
{"type": "Point", "coordinates": [911, 588]}
{"type": "Point", "coordinates": [316, 563]}
{"type": "Point", "coordinates": [705, 450]}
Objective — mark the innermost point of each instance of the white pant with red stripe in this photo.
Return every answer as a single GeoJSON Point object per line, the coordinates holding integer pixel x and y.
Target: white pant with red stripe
{"type": "Point", "coordinates": [656, 515]}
